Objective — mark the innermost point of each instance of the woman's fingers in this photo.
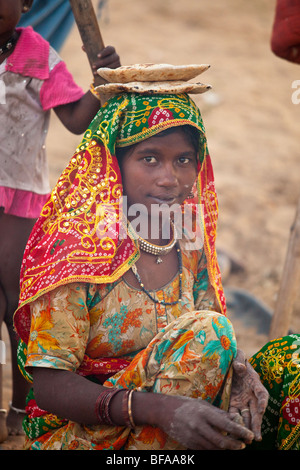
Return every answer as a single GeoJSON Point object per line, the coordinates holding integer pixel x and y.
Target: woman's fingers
{"type": "Point", "coordinates": [246, 417]}
{"type": "Point", "coordinates": [214, 439]}
{"type": "Point", "coordinates": [223, 430]}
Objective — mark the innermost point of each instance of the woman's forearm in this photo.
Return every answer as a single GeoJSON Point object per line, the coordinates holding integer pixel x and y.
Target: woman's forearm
{"type": "Point", "coordinates": [196, 424]}
{"type": "Point", "coordinates": [71, 396]}
{"type": "Point", "coordinates": [66, 394]}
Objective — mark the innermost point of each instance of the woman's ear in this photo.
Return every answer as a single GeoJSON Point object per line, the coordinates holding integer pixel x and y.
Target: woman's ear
{"type": "Point", "coordinates": [27, 4]}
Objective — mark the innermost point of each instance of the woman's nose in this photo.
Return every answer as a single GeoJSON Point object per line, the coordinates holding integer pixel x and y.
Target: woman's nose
{"type": "Point", "coordinates": [168, 176]}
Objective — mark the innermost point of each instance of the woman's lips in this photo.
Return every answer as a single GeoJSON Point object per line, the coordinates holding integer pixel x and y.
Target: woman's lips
{"type": "Point", "coordinates": [165, 199]}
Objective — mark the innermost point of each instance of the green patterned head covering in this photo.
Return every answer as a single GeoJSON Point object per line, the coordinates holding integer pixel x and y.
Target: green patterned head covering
{"type": "Point", "coordinates": [130, 118]}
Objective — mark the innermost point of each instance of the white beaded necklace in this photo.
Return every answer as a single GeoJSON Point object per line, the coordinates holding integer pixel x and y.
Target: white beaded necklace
{"type": "Point", "coordinates": [156, 250]}
{"type": "Point", "coordinates": [9, 44]}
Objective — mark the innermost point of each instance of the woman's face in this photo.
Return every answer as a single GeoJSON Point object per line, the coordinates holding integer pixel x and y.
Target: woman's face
{"type": "Point", "coordinates": [159, 170]}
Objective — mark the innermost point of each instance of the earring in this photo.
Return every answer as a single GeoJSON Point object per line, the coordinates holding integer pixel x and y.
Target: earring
{"type": "Point", "coordinates": [25, 9]}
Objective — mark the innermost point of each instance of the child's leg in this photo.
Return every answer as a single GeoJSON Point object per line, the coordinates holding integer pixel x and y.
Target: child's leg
{"type": "Point", "coordinates": [14, 233]}
{"type": "Point", "coordinates": [3, 428]}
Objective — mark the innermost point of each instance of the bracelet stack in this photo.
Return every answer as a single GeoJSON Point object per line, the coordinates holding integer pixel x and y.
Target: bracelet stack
{"type": "Point", "coordinates": [102, 407]}
{"type": "Point", "coordinates": [93, 91]}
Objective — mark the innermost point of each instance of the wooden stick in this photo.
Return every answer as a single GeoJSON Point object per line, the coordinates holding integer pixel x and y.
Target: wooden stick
{"type": "Point", "coordinates": [290, 283]}
{"type": "Point", "coordinates": [89, 31]}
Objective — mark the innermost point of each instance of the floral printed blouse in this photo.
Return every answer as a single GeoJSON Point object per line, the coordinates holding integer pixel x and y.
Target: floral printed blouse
{"type": "Point", "coordinates": [111, 320]}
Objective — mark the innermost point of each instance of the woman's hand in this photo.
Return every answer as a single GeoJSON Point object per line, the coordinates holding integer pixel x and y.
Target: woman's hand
{"type": "Point", "coordinates": [198, 425]}
{"type": "Point", "coordinates": [248, 396]}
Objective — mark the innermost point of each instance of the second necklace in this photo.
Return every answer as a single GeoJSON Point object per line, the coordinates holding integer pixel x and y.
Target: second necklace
{"type": "Point", "coordinates": [161, 302]}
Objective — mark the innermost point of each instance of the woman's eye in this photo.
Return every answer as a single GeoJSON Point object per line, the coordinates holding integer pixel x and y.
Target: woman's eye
{"type": "Point", "coordinates": [184, 160]}
{"type": "Point", "coordinates": [150, 159]}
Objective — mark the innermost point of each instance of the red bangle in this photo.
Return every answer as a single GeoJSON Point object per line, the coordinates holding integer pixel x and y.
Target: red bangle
{"type": "Point", "coordinates": [102, 405]}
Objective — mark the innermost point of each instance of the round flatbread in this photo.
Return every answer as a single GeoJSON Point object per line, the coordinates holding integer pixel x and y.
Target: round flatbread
{"type": "Point", "coordinates": [152, 73]}
{"type": "Point", "coordinates": [153, 88]}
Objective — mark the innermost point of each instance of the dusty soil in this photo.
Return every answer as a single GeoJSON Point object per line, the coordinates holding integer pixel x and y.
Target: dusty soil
{"type": "Point", "coordinates": [252, 125]}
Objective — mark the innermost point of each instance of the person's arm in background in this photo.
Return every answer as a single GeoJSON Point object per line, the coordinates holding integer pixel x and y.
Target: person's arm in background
{"type": "Point", "coordinates": [77, 116]}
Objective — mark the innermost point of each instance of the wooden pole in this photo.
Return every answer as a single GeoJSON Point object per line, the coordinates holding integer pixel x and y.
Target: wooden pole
{"type": "Point", "coordinates": [290, 283]}
{"type": "Point", "coordinates": [89, 31]}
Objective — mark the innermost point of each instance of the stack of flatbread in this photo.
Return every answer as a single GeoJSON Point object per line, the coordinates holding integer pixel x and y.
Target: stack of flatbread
{"type": "Point", "coordinates": [152, 79]}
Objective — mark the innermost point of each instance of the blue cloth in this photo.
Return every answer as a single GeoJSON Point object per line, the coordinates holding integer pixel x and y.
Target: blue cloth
{"type": "Point", "coordinates": [52, 19]}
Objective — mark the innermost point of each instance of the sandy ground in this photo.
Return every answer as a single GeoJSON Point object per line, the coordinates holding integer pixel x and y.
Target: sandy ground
{"type": "Point", "coordinates": [252, 125]}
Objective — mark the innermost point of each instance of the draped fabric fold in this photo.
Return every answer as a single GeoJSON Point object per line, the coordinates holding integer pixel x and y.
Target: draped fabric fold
{"type": "Point", "coordinates": [186, 358]}
{"type": "Point", "coordinates": [278, 365]}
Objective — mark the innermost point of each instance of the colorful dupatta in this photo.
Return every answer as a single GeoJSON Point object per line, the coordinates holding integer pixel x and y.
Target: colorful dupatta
{"type": "Point", "coordinates": [77, 236]}
{"type": "Point", "coordinates": [278, 365]}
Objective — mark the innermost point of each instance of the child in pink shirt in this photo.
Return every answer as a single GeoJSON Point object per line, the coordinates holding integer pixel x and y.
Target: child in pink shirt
{"type": "Point", "coordinates": [33, 80]}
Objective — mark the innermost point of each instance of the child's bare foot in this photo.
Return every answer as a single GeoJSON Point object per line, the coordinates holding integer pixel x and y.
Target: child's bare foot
{"type": "Point", "coordinates": [14, 421]}
{"type": "Point", "coordinates": [3, 428]}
